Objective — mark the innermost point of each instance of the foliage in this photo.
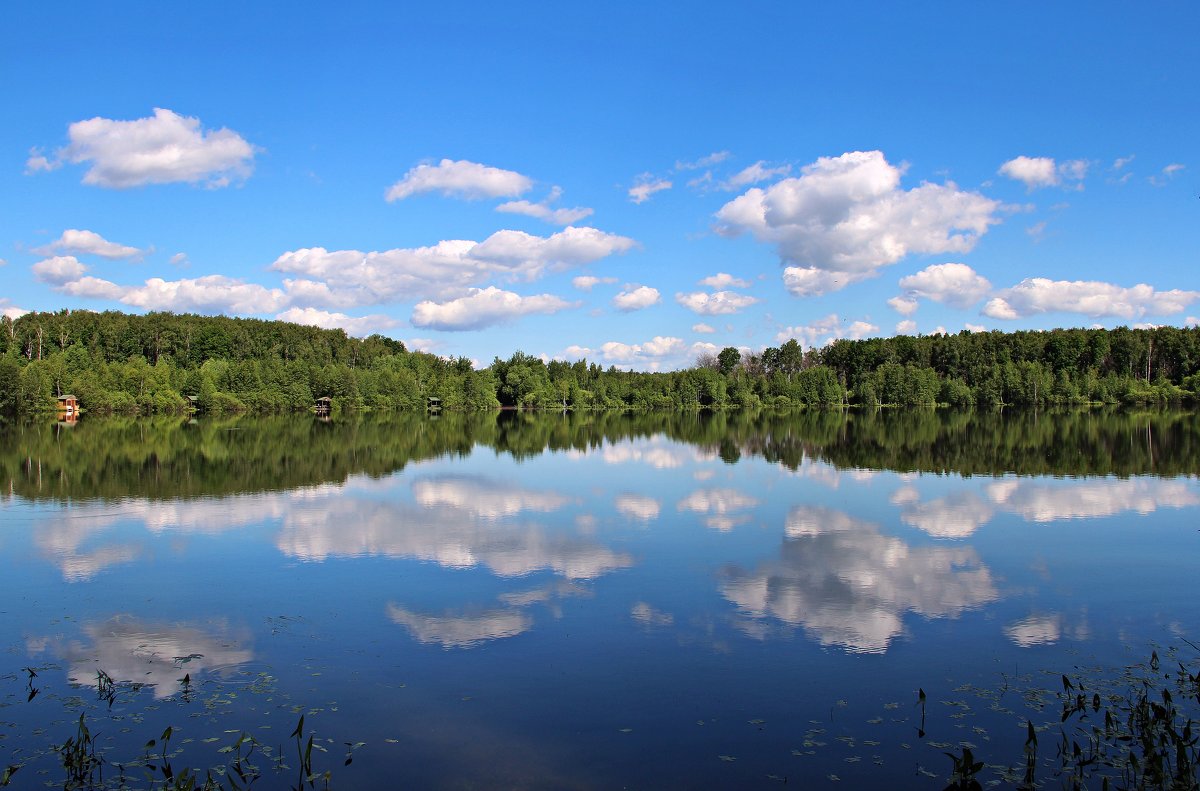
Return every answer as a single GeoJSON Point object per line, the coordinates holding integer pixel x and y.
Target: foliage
{"type": "Point", "coordinates": [162, 363]}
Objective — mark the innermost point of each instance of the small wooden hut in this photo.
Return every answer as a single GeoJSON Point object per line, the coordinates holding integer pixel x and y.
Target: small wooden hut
{"type": "Point", "coordinates": [68, 404]}
{"type": "Point", "coordinates": [323, 405]}
{"type": "Point", "coordinates": [433, 404]}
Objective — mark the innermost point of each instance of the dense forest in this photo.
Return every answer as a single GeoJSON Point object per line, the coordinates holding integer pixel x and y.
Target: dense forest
{"type": "Point", "coordinates": [163, 363]}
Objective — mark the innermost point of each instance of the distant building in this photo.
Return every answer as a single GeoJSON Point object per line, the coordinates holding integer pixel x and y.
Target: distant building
{"type": "Point", "coordinates": [323, 405]}
{"type": "Point", "coordinates": [68, 404]}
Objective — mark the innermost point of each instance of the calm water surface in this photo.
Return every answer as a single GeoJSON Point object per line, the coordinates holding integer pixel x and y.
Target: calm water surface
{"type": "Point", "coordinates": [586, 601]}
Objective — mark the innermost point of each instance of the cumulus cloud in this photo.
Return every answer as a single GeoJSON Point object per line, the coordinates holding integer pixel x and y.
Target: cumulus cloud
{"type": "Point", "coordinates": [715, 304]}
{"type": "Point", "coordinates": [1090, 298]}
{"type": "Point", "coordinates": [162, 149]}
{"type": "Point", "coordinates": [347, 278]}
{"type": "Point", "coordinates": [483, 307]}
{"type": "Point", "coordinates": [9, 310]}
{"type": "Point", "coordinates": [58, 269]}
{"type": "Point", "coordinates": [636, 297]}
{"type": "Point", "coordinates": [358, 326]}
{"type": "Point", "coordinates": [208, 294]}
{"type": "Point", "coordinates": [543, 210]}
{"type": "Point", "coordinates": [724, 280]}
{"type": "Point", "coordinates": [1035, 172]}
{"type": "Point", "coordinates": [646, 185]}
{"type": "Point", "coordinates": [957, 285]}
{"type": "Point", "coordinates": [587, 282]}
{"type": "Point", "coordinates": [651, 352]}
{"type": "Point", "coordinates": [906, 327]}
{"type": "Point", "coordinates": [845, 217]}
{"type": "Point", "coordinates": [826, 330]}
{"type": "Point", "coordinates": [462, 179]}
{"type": "Point", "coordinates": [905, 306]}
{"type": "Point", "coordinates": [703, 329]}
{"type": "Point", "coordinates": [90, 243]}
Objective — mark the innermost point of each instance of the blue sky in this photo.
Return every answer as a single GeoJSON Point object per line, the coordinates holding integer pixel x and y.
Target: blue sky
{"type": "Point", "coordinates": [634, 185]}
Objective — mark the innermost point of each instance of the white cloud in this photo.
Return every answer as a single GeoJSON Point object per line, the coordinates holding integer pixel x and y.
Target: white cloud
{"type": "Point", "coordinates": [358, 326]}
{"type": "Point", "coordinates": [827, 330]}
{"type": "Point", "coordinates": [1121, 162]}
{"type": "Point", "coordinates": [724, 280]}
{"type": "Point", "coordinates": [906, 327]}
{"type": "Point", "coordinates": [845, 217]}
{"type": "Point", "coordinates": [161, 149]}
{"type": "Point", "coordinates": [716, 303]}
{"type": "Point", "coordinates": [586, 282]}
{"type": "Point", "coordinates": [703, 329]}
{"type": "Point", "coordinates": [347, 278]}
{"type": "Point", "coordinates": [905, 306]}
{"type": "Point", "coordinates": [974, 327]}
{"type": "Point", "coordinates": [39, 163]}
{"type": "Point", "coordinates": [209, 294]}
{"type": "Point", "coordinates": [90, 243]}
{"type": "Point", "coordinates": [957, 285]}
{"type": "Point", "coordinates": [462, 179]}
{"type": "Point", "coordinates": [636, 297]}
{"type": "Point", "coordinates": [1167, 173]}
{"type": "Point", "coordinates": [1035, 172]}
{"type": "Point", "coordinates": [58, 270]}
{"type": "Point", "coordinates": [180, 260]}
{"type": "Point", "coordinates": [753, 175]}
{"type": "Point", "coordinates": [1191, 321]}
{"type": "Point", "coordinates": [649, 352]}
{"type": "Point", "coordinates": [543, 211]}
{"type": "Point", "coordinates": [714, 158]}
{"type": "Point", "coordinates": [1090, 298]}
{"type": "Point", "coordinates": [9, 310]}
{"type": "Point", "coordinates": [645, 186]}
{"type": "Point", "coordinates": [483, 308]}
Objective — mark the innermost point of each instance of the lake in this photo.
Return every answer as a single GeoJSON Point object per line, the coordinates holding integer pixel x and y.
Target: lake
{"type": "Point", "coordinates": [587, 600]}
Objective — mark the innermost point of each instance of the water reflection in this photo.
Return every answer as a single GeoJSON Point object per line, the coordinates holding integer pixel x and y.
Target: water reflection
{"type": "Point", "coordinates": [461, 630]}
{"type": "Point", "coordinates": [149, 654]}
{"type": "Point", "coordinates": [450, 535]}
{"type": "Point", "coordinates": [483, 497]}
{"type": "Point", "coordinates": [846, 584]}
{"type": "Point", "coordinates": [722, 506]}
{"type": "Point", "coordinates": [960, 514]}
{"type": "Point", "coordinates": [637, 507]}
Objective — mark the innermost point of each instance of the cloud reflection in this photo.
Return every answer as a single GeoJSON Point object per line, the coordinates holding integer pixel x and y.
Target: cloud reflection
{"type": "Point", "coordinates": [960, 514]}
{"type": "Point", "coordinates": [721, 505]}
{"type": "Point", "coordinates": [445, 535]}
{"type": "Point", "coordinates": [461, 630]}
{"type": "Point", "coordinates": [638, 507]}
{"type": "Point", "coordinates": [849, 585]}
{"type": "Point", "coordinates": [156, 655]}
{"type": "Point", "coordinates": [483, 497]}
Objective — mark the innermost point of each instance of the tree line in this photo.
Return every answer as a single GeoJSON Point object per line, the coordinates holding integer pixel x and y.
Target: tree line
{"type": "Point", "coordinates": [163, 363]}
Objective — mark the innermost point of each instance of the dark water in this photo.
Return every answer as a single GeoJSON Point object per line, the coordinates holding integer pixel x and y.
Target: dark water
{"type": "Point", "coordinates": [585, 601]}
